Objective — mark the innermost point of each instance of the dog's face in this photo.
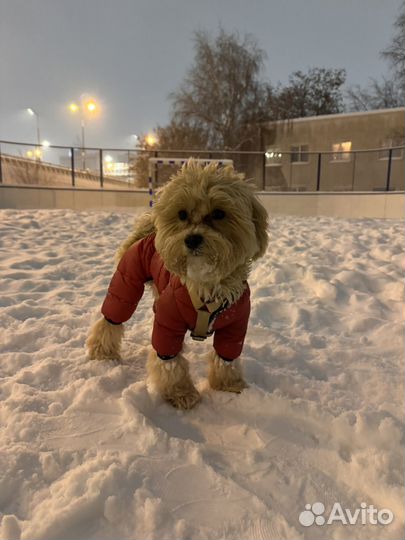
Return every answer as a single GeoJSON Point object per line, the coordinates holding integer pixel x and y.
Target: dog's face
{"type": "Point", "coordinates": [208, 222]}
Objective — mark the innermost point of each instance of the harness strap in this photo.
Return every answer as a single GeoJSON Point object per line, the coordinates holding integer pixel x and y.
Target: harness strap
{"type": "Point", "coordinates": [204, 310]}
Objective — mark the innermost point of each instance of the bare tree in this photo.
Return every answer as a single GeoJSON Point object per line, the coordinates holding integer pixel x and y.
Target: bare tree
{"type": "Point", "coordinates": [395, 52]}
{"type": "Point", "coordinates": [139, 165]}
{"type": "Point", "coordinates": [223, 99]}
{"type": "Point", "coordinates": [222, 94]}
{"type": "Point", "coordinates": [174, 136]}
{"type": "Point", "coordinates": [378, 95]}
{"type": "Point", "coordinates": [181, 134]}
{"type": "Point", "coordinates": [310, 94]}
{"type": "Point", "coordinates": [390, 92]}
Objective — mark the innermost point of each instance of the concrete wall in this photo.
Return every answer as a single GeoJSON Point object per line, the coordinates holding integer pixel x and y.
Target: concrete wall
{"type": "Point", "coordinates": [346, 205]}
{"type": "Point", "coordinates": [77, 199]}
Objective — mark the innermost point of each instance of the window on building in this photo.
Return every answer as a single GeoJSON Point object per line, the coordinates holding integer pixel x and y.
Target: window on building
{"type": "Point", "coordinates": [299, 153]}
{"type": "Point", "coordinates": [273, 157]}
{"type": "Point", "coordinates": [392, 142]}
{"type": "Point", "coordinates": [341, 151]}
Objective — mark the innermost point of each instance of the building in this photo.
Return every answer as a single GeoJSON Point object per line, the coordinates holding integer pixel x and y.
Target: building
{"type": "Point", "coordinates": [336, 152]}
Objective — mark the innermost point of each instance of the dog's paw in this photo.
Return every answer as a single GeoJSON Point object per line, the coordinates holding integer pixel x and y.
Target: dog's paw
{"type": "Point", "coordinates": [183, 398]}
{"type": "Point", "coordinates": [104, 341]}
{"type": "Point", "coordinates": [99, 353]}
{"type": "Point", "coordinates": [226, 376]}
{"type": "Point", "coordinates": [235, 386]}
{"type": "Point", "coordinates": [172, 380]}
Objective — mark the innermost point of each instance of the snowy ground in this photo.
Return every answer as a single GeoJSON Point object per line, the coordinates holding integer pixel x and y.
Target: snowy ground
{"type": "Point", "coordinates": [86, 452]}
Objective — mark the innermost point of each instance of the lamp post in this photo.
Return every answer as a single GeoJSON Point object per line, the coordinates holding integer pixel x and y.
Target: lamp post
{"type": "Point", "coordinates": [31, 112]}
{"type": "Point", "coordinates": [136, 140]}
{"type": "Point", "coordinates": [87, 106]}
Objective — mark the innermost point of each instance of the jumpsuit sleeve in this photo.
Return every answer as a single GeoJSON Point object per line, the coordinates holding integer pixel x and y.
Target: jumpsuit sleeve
{"type": "Point", "coordinates": [127, 284]}
{"type": "Point", "coordinates": [169, 327]}
{"type": "Point", "coordinates": [229, 340]}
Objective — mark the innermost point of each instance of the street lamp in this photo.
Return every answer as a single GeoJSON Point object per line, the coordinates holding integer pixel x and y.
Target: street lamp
{"type": "Point", "coordinates": [87, 106]}
{"type": "Point", "coordinates": [31, 112]}
{"type": "Point", "coordinates": [151, 139]}
{"type": "Point", "coordinates": [91, 106]}
{"type": "Point", "coordinates": [136, 140]}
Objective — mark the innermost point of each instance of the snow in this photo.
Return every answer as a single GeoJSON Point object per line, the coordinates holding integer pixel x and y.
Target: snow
{"type": "Point", "coordinates": [88, 451]}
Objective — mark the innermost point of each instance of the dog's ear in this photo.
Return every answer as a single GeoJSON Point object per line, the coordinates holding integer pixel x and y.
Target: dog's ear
{"type": "Point", "coordinates": [260, 219]}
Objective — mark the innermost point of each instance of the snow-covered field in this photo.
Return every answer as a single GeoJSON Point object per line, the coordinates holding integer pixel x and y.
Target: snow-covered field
{"type": "Point", "coordinates": [86, 452]}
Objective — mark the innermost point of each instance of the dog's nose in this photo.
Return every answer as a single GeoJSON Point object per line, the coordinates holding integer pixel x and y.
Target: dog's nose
{"type": "Point", "coordinates": [193, 241]}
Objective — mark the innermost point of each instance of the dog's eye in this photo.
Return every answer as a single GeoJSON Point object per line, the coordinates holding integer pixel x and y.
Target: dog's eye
{"type": "Point", "coordinates": [183, 215]}
{"type": "Point", "coordinates": [218, 214]}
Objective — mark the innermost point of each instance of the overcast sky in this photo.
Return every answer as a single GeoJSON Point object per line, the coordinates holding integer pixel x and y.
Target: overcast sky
{"type": "Point", "coordinates": [130, 54]}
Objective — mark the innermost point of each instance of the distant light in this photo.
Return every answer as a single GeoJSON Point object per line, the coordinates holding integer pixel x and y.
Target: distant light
{"type": "Point", "coordinates": [73, 107]}
{"type": "Point", "coordinates": [151, 139]}
{"type": "Point", "coordinates": [38, 153]}
{"type": "Point", "coordinates": [91, 106]}
{"type": "Point", "coordinates": [108, 158]}
{"type": "Point", "coordinates": [30, 153]}
{"type": "Point", "coordinates": [46, 144]}
{"type": "Point", "coordinates": [273, 155]}
{"type": "Point", "coordinates": [30, 111]}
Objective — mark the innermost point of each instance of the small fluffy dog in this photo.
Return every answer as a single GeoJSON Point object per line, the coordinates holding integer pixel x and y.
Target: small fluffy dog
{"type": "Point", "coordinates": [196, 246]}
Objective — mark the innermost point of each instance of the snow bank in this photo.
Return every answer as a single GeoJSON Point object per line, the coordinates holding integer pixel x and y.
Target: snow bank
{"type": "Point", "coordinates": [86, 451]}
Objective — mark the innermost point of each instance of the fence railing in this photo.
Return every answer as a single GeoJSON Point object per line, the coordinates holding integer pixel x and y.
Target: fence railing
{"type": "Point", "coordinates": [380, 169]}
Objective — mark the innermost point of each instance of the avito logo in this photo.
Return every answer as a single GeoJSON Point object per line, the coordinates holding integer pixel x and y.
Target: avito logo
{"type": "Point", "coordinates": [366, 515]}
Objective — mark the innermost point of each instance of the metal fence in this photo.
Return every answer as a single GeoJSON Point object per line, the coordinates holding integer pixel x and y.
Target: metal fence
{"type": "Point", "coordinates": [379, 169]}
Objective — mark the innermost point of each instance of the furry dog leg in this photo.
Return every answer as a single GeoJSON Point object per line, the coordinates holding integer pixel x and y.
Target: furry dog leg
{"type": "Point", "coordinates": [104, 340]}
{"type": "Point", "coordinates": [172, 380]}
{"type": "Point", "coordinates": [226, 376]}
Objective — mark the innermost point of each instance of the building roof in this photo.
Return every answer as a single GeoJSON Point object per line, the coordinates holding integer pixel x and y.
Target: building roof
{"type": "Point", "coordinates": [339, 115]}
